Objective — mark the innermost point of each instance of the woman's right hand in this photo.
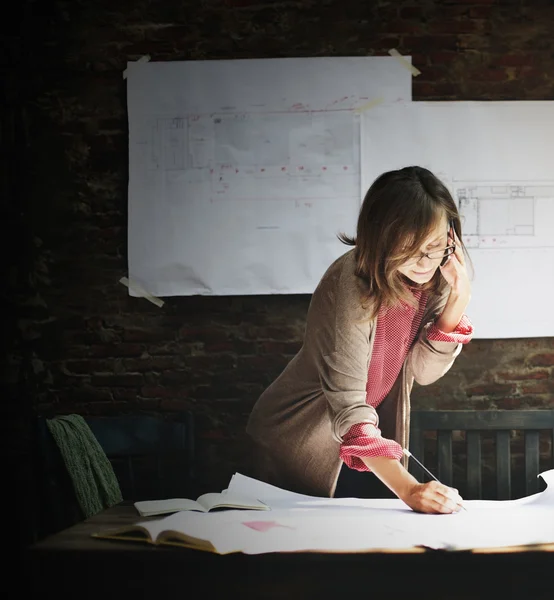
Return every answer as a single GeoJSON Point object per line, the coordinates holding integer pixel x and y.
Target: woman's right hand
{"type": "Point", "coordinates": [433, 497]}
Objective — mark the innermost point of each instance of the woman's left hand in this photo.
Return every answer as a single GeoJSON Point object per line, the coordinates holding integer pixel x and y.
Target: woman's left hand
{"type": "Point", "coordinates": [455, 271]}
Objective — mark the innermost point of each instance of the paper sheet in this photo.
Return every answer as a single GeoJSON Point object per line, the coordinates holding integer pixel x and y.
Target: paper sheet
{"type": "Point", "coordinates": [298, 522]}
{"type": "Point", "coordinates": [496, 158]}
{"type": "Point", "coordinates": [243, 172]}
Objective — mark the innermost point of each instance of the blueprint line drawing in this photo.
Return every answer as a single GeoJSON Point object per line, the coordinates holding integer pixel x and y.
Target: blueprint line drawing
{"type": "Point", "coordinates": [166, 146]}
{"type": "Point", "coordinates": [504, 214]}
{"type": "Point", "coordinates": [294, 155]}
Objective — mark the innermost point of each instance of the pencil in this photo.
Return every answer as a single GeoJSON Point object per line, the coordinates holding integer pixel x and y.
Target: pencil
{"type": "Point", "coordinates": [408, 453]}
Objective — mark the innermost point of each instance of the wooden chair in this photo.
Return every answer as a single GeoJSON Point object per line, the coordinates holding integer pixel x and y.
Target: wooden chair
{"type": "Point", "coordinates": [153, 458]}
{"type": "Point", "coordinates": [473, 424]}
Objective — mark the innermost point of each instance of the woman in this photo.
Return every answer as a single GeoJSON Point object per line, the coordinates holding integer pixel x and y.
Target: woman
{"type": "Point", "coordinates": [387, 312]}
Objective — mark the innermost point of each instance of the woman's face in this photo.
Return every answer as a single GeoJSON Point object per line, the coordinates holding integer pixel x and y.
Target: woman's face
{"type": "Point", "coordinates": [420, 269]}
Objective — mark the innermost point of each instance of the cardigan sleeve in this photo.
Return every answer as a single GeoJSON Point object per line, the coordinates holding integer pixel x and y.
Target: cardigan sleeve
{"type": "Point", "coordinates": [338, 335]}
{"type": "Point", "coordinates": [434, 351]}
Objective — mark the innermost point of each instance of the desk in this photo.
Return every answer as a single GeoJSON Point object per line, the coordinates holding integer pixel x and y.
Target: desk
{"type": "Point", "coordinates": [71, 564]}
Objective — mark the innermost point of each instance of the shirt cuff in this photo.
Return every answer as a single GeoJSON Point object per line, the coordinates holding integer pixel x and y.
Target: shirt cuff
{"type": "Point", "coordinates": [461, 335]}
{"type": "Point", "coordinates": [364, 440]}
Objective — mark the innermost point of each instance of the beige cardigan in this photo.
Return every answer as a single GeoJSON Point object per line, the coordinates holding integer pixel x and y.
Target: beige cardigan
{"type": "Point", "coordinates": [298, 422]}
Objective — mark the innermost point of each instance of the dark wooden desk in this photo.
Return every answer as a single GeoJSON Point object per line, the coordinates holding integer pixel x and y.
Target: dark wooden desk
{"type": "Point", "coordinates": [71, 564]}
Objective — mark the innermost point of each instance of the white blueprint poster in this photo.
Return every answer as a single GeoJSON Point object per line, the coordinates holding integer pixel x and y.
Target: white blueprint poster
{"type": "Point", "coordinates": [242, 172]}
{"type": "Point", "coordinates": [497, 158]}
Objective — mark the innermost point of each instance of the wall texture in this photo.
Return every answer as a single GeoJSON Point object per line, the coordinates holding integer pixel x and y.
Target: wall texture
{"type": "Point", "coordinates": [74, 340]}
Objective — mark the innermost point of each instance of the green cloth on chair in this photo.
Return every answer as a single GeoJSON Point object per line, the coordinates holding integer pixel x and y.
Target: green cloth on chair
{"type": "Point", "coordinates": [94, 481]}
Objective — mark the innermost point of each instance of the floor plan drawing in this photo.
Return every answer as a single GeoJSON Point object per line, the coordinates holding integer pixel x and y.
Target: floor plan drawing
{"type": "Point", "coordinates": [505, 214]}
{"type": "Point", "coordinates": [300, 156]}
{"type": "Point", "coordinates": [242, 173]}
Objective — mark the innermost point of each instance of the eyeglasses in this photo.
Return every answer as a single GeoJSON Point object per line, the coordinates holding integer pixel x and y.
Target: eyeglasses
{"type": "Point", "coordinates": [436, 255]}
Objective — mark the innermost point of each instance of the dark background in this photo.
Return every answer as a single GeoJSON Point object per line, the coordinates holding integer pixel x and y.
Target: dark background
{"type": "Point", "coordinates": [74, 340]}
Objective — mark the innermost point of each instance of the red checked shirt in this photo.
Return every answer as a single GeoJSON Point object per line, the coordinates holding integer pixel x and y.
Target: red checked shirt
{"type": "Point", "coordinates": [397, 329]}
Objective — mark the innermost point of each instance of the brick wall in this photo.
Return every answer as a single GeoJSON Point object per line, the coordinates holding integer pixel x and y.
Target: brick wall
{"type": "Point", "coordinates": [75, 341]}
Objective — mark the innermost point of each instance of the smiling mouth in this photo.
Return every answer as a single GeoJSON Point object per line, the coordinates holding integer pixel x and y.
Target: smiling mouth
{"type": "Point", "coordinates": [423, 273]}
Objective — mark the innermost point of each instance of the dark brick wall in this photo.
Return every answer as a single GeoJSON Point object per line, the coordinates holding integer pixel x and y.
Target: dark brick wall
{"type": "Point", "coordinates": [75, 341]}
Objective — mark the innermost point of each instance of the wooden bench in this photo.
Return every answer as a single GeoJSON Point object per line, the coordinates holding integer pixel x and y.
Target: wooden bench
{"type": "Point", "coordinates": [473, 423]}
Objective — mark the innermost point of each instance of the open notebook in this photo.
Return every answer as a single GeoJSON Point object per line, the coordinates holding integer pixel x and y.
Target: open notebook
{"type": "Point", "coordinates": [204, 503]}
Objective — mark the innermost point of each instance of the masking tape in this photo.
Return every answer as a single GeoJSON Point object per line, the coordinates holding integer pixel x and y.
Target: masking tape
{"type": "Point", "coordinates": [404, 62]}
{"type": "Point", "coordinates": [141, 292]}
{"type": "Point", "coordinates": [369, 105]}
{"type": "Point", "coordinates": [144, 58]}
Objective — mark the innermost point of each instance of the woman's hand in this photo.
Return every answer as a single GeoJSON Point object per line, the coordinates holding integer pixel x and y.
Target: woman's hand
{"type": "Point", "coordinates": [434, 498]}
{"type": "Point", "coordinates": [455, 272]}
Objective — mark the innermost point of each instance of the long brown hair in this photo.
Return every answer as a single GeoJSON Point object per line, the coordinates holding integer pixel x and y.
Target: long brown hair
{"type": "Point", "coordinates": [399, 212]}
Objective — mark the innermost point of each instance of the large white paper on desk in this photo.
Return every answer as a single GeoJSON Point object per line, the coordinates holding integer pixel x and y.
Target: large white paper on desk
{"type": "Point", "coordinates": [243, 172]}
{"type": "Point", "coordinates": [297, 523]}
{"type": "Point", "coordinates": [497, 158]}
{"type": "Point", "coordinates": [304, 523]}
